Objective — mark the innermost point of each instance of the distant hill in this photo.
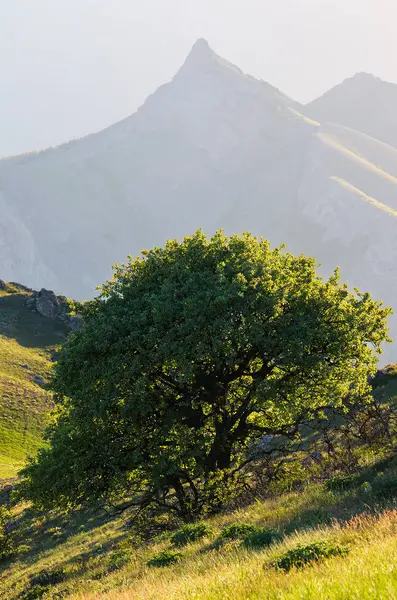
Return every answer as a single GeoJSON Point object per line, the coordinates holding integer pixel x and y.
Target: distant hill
{"type": "Point", "coordinates": [27, 345]}
{"type": "Point", "coordinates": [212, 148]}
{"type": "Point", "coordinates": [362, 102]}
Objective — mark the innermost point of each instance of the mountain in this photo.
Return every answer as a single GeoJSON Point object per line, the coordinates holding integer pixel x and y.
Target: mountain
{"type": "Point", "coordinates": [70, 212]}
{"type": "Point", "coordinates": [212, 148]}
{"type": "Point", "coordinates": [362, 102]}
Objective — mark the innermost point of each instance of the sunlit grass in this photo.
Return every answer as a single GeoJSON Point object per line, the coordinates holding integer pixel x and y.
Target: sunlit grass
{"type": "Point", "coordinates": [84, 546]}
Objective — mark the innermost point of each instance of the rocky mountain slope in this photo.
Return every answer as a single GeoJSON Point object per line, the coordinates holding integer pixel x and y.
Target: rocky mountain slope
{"type": "Point", "coordinates": [212, 148]}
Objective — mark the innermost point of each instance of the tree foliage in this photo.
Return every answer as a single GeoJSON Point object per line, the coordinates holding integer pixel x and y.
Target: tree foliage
{"type": "Point", "coordinates": [191, 354]}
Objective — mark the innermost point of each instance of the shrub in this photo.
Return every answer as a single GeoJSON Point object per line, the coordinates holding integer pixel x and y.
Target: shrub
{"type": "Point", "coordinates": [237, 531]}
{"type": "Point", "coordinates": [35, 593]}
{"type": "Point", "coordinates": [340, 483]}
{"type": "Point", "coordinates": [164, 559]}
{"type": "Point", "coordinates": [365, 488]}
{"type": "Point", "coordinates": [303, 555]}
{"type": "Point", "coordinates": [262, 538]}
{"type": "Point", "coordinates": [119, 558]}
{"type": "Point", "coordinates": [190, 533]}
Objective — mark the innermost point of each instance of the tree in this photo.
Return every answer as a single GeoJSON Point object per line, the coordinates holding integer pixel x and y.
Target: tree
{"type": "Point", "coordinates": [191, 354]}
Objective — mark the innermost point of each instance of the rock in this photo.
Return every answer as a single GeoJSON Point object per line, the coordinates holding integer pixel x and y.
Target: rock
{"type": "Point", "coordinates": [3, 285]}
{"type": "Point", "coordinates": [25, 367]}
{"type": "Point", "coordinates": [39, 380]}
{"type": "Point", "coordinates": [30, 303]}
{"type": "Point", "coordinates": [47, 304]}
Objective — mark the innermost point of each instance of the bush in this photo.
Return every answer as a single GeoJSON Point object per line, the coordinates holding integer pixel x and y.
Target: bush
{"type": "Point", "coordinates": [190, 533]}
{"type": "Point", "coordinates": [262, 538]}
{"type": "Point", "coordinates": [303, 555]}
{"type": "Point", "coordinates": [341, 483]}
{"type": "Point", "coordinates": [164, 559]}
{"type": "Point", "coordinates": [237, 531]}
{"type": "Point", "coordinates": [365, 488]}
{"type": "Point", "coordinates": [119, 558]}
{"type": "Point", "coordinates": [35, 593]}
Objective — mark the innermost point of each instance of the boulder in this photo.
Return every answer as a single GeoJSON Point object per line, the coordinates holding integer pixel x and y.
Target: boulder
{"type": "Point", "coordinates": [3, 285]}
{"type": "Point", "coordinates": [47, 304]}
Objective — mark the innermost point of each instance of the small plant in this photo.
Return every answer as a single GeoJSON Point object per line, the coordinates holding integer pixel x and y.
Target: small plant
{"type": "Point", "coordinates": [303, 555]}
{"type": "Point", "coordinates": [190, 533]}
{"type": "Point", "coordinates": [35, 593]}
{"type": "Point", "coordinates": [340, 483]}
{"type": "Point", "coordinates": [237, 531]}
{"type": "Point", "coordinates": [119, 558]}
{"type": "Point", "coordinates": [262, 538]}
{"type": "Point", "coordinates": [365, 488]}
{"type": "Point", "coordinates": [164, 559]}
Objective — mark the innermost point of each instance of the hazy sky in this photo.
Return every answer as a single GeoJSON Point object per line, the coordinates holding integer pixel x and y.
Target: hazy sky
{"type": "Point", "coordinates": [71, 67]}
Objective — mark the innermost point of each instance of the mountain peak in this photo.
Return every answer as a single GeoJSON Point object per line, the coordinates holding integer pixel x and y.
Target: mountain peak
{"type": "Point", "coordinates": [364, 77]}
{"type": "Point", "coordinates": [201, 57]}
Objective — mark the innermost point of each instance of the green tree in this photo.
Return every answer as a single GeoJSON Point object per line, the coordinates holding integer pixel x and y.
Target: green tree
{"type": "Point", "coordinates": [189, 356]}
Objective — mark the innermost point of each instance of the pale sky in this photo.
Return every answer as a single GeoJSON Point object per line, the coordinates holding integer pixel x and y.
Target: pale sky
{"type": "Point", "coordinates": [72, 67]}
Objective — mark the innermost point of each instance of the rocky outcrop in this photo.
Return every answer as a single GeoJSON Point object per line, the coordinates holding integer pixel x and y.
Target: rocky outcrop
{"type": "Point", "coordinates": [50, 306]}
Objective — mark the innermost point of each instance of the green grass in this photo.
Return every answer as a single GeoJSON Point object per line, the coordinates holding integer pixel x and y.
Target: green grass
{"type": "Point", "coordinates": [90, 557]}
{"type": "Point", "coordinates": [27, 342]}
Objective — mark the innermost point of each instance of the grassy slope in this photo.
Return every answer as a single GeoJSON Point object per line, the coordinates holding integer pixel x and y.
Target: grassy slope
{"type": "Point", "coordinates": [27, 341]}
{"type": "Point", "coordinates": [85, 549]}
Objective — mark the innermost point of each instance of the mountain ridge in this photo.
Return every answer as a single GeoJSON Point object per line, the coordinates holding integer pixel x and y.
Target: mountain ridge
{"type": "Point", "coordinates": [212, 148]}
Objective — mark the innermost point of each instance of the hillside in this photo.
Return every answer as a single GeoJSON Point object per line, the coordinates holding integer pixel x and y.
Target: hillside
{"type": "Point", "coordinates": [362, 102]}
{"type": "Point", "coordinates": [91, 557]}
{"type": "Point", "coordinates": [27, 343]}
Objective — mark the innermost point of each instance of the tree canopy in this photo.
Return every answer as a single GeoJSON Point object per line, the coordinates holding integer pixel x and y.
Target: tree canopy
{"type": "Point", "coordinates": [189, 356]}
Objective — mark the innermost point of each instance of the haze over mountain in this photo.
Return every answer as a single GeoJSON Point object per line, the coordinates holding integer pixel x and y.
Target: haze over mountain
{"type": "Point", "coordinates": [363, 102]}
{"type": "Point", "coordinates": [212, 148]}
